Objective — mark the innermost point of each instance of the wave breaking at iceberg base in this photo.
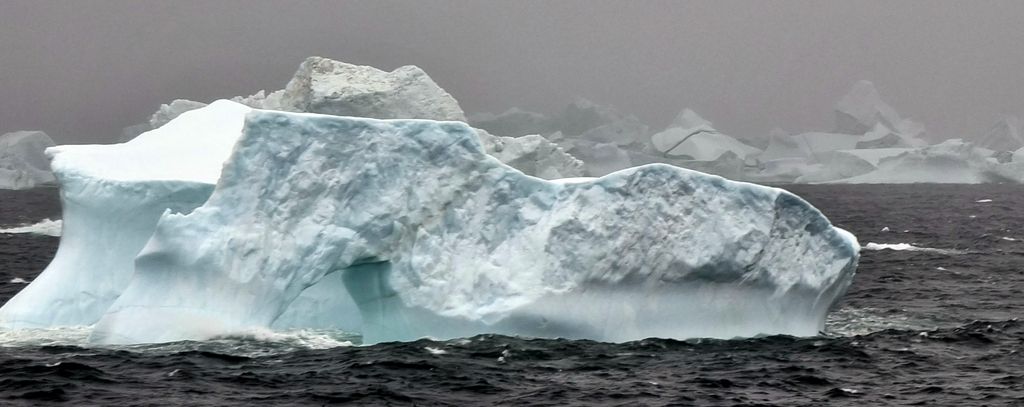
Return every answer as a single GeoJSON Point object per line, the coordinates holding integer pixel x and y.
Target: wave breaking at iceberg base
{"type": "Point", "coordinates": [44, 227]}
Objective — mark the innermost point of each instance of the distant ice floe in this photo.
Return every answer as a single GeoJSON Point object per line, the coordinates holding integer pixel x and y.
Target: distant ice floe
{"type": "Point", "coordinates": [45, 227]}
{"type": "Point", "coordinates": [909, 247]}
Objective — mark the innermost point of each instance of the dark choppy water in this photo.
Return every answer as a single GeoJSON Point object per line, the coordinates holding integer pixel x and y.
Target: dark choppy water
{"type": "Point", "coordinates": [932, 327]}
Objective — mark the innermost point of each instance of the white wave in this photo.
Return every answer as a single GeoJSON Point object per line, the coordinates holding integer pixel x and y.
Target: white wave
{"type": "Point", "coordinates": [983, 201]}
{"type": "Point", "coordinates": [44, 227]}
{"type": "Point", "coordinates": [909, 247]}
{"type": "Point", "coordinates": [18, 280]}
{"type": "Point", "coordinates": [250, 343]}
{"type": "Point", "coordinates": [64, 336]}
{"type": "Point", "coordinates": [299, 338]}
{"type": "Point", "coordinates": [847, 321]}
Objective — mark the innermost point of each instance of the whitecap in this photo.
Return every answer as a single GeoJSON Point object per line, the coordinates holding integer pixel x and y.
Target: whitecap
{"type": "Point", "coordinates": [62, 336]}
{"type": "Point", "coordinates": [909, 247]}
{"type": "Point", "coordinates": [45, 227]}
{"type": "Point", "coordinates": [297, 338]}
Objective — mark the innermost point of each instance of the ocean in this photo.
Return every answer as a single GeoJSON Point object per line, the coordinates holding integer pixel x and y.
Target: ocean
{"type": "Point", "coordinates": [931, 319]}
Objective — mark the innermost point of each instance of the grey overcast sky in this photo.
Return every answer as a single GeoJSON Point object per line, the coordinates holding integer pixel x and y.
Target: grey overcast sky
{"type": "Point", "coordinates": [83, 69]}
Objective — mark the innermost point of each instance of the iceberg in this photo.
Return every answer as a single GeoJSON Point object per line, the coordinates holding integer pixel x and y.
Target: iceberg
{"type": "Point", "coordinates": [783, 146]}
{"type": "Point", "coordinates": [627, 133]}
{"type": "Point", "coordinates": [513, 122]}
{"type": "Point", "coordinates": [22, 162]}
{"type": "Point", "coordinates": [533, 155]}
{"type": "Point", "coordinates": [582, 115]}
{"type": "Point", "coordinates": [862, 108]}
{"type": "Point", "coordinates": [331, 87]}
{"type": "Point", "coordinates": [322, 85]}
{"type": "Point", "coordinates": [883, 137]}
{"type": "Point", "coordinates": [598, 158]}
{"type": "Point", "coordinates": [170, 111]}
{"type": "Point", "coordinates": [874, 156]}
{"type": "Point", "coordinates": [1003, 136]}
{"type": "Point", "coordinates": [863, 112]}
{"type": "Point", "coordinates": [817, 143]}
{"type": "Point", "coordinates": [112, 197]}
{"type": "Point", "coordinates": [953, 161]}
{"type": "Point", "coordinates": [433, 237]}
{"type": "Point", "coordinates": [835, 165]}
{"type": "Point", "coordinates": [326, 86]}
{"type": "Point", "coordinates": [117, 192]}
{"type": "Point", "coordinates": [692, 137]}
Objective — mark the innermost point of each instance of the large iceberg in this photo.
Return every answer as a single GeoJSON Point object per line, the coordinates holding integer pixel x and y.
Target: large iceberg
{"type": "Point", "coordinates": [433, 237]}
{"type": "Point", "coordinates": [22, 162]}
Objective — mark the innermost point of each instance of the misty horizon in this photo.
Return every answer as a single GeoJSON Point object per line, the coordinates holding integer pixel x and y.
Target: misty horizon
{"type": "Point", "coordinates": [83, 73]}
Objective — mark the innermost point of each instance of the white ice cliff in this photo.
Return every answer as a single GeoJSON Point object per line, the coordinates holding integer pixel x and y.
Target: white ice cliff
{"type": "Point", "coordinates": [22, 162]}
{"type": "Point", "coordinates": [433, 237]}
{"type": "Point", "coordinates": [112, 196]}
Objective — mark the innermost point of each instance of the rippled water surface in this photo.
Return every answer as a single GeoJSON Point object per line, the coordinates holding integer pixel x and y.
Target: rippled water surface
{"type": "Point", "coordinates": [929, 320]}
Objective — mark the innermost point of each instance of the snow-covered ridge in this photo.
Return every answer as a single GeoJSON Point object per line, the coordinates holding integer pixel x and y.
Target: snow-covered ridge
{"type": "Point", "coordinates": [433, 237]}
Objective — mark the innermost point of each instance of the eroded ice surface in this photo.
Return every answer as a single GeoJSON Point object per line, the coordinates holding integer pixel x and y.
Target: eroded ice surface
{"type": "Point", "coordinates": [432, 237]}
{"type": "Point", "coordinates": [112, 196]}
